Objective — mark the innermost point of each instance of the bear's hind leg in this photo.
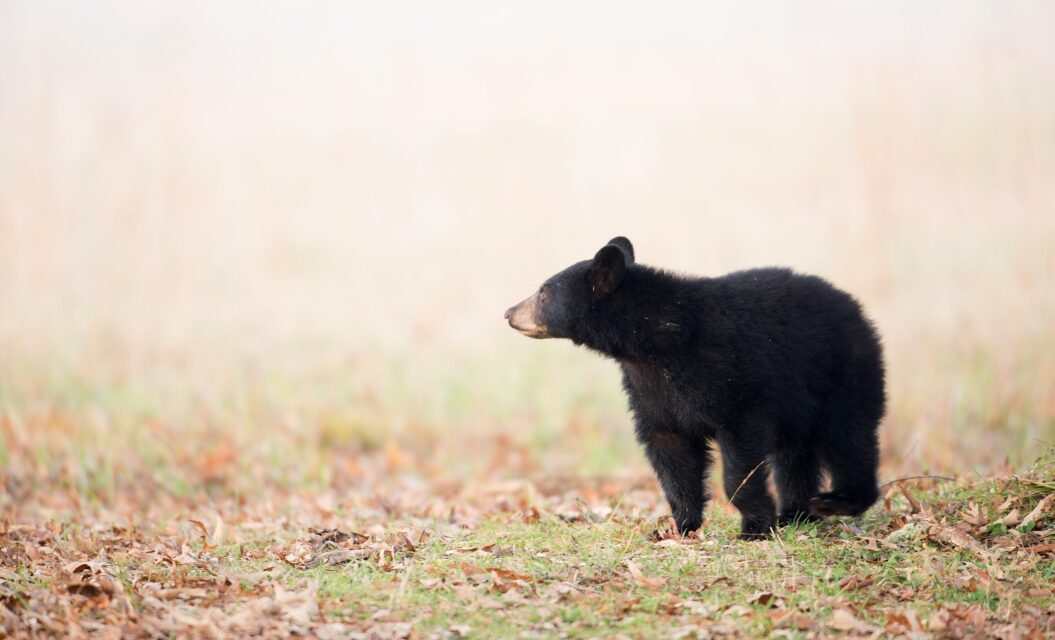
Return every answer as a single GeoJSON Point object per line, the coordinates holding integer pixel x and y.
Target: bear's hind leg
{"type": "Point", "coordinates": [744, 476]}
{"type": "Point", "coordinates": [853, 468]}
{"type": "Point", "coordinates": [797, 475]}
{"type": "Point", "coordinates": [848, 441]}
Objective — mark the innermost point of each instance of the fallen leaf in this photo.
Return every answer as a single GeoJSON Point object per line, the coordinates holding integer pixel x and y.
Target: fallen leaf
{"type": "Point", "coordinates": [957, 538]}
{"type": "Point", "coordinates": [506, 574]}
{"type": "Point", "coordinates": [938, 621]}
{"type": "Point", "coordinates": [82, 566]}
{"type": "Point", "coordinates": [1011, 519]}
{"type": "Point", "coordinates": [790, 619]}
{"type": "Point", "coordinates": [802, 622]}
{"type": "Point", "coordinates": [781, 618]}
{"type": "Point", "coordinates": [914, 506]}
{"type": "Point", "coordinates": [973, 516]}
{"type": "Point", "coordinates": [32, 551]}
{"type": "Point", "coordinates": [1031, 518]}
{"type": "Point", "coordinates": [855, 581]}
{"type": "Point", "coordinates": [86, 589]}
{"type": "Point", "coordinates": [200, 526]}
{"type": "Point", "coordinates": [901, 621]}
{"type": "Point", "coordinates": [738, 610]}
{"type": "Point", "coordinates": [845, 620]}
{"type": "Point", "coordinates": [204, 534]}
{"type": "Point", "coordinates": [298, 607]}
{"type": "Point", "coordinates": [641, 579]}
{"type": "Point", "coordinates": [764, 598]}
{"type": "Point", "coordinates": [338, 556]}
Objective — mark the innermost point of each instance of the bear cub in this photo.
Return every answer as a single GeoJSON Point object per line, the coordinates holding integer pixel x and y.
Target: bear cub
{"type": "Point", "coordinates": [782, 371]}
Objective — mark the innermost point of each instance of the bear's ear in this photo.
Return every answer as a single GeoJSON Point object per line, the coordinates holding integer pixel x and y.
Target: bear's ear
{"type": "Point", "coordinates": [624, 244]}
{"type": "Point", "coordinates": [607, 270]}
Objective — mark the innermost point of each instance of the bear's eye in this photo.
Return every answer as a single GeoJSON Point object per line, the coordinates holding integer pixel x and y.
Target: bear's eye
{"type": "Point", "coordinates": [542, 294]}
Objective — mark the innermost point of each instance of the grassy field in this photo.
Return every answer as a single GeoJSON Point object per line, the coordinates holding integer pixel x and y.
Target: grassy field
{"type": "Point", "coordinates": [330, 505]}
{"type": "Point", "coordinates": [254, 378]}
{"type": "Point", "coordinates": [338, 531]}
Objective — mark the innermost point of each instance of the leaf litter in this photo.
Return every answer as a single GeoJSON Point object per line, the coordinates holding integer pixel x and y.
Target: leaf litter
{"type": "Point", "coordinates": [397, 555]}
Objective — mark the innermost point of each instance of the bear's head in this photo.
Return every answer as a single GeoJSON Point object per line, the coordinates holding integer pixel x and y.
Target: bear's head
{"type": "Point", "coordinates": [559, 305]}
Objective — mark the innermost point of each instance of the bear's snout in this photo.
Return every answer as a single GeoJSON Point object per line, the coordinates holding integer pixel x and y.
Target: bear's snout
{"type": "Point", "coordinates": [523, 317]}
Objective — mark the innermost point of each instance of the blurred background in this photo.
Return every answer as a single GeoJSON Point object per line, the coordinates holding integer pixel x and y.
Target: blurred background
{"type": "Point", "coordinates": [282, 235]}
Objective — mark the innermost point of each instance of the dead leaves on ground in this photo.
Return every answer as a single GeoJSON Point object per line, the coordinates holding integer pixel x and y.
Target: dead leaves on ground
{"type": "Point", "coordinates": [135, 583]}
{"type": "Point", "coordinates": [985, 531]}
{"type": "Point", "coordinates": [333, 547]}
{"type": "Point", "coordinates": [231, 569]}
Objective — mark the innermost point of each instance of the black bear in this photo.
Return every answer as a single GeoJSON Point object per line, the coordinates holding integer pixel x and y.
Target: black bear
{"type": "Point", "coordinates": [783, 371]}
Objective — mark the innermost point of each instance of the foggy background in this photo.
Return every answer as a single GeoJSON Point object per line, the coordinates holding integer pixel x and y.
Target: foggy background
{"type": "Point", "coordinates": [329, 205]}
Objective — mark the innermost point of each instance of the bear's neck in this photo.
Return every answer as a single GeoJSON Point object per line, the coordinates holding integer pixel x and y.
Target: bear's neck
{"type": "Point", "coordinates": [644, 319]}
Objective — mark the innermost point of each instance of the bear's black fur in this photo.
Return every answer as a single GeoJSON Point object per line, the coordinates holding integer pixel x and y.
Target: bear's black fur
{"type": "Point", "coordinates": [783, 371]}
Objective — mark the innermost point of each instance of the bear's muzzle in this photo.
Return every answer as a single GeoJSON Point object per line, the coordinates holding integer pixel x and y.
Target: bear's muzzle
{"type": "Point", "coordinates": [524, 317]}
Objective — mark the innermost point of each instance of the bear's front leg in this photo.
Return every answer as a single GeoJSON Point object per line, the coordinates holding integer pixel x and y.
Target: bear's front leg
{"type": "Point", "coordinates": [681, 466]}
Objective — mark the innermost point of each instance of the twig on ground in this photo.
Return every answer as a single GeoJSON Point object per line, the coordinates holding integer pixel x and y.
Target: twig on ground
{"type": "Point", "coordinates": [1034, 482]}
{"type": "Point", "coordinates": [920, 477]}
